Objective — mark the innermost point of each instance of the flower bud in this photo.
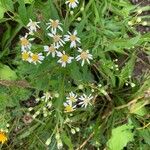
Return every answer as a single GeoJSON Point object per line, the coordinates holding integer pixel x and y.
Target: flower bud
{"type": "Point", "coordinates": [48, 141]}
{"type": "Point", "coordinates": [59, 144]}
{"type": "Point", "coordinates": [138, 19]}
{"type": "Point", "coordinates": [82, 9]}
{"type": "Point", "coordinates": [139, 11]}
{"type": "Point", "coordinates": [57, 136]}
{"type": "Point", "coordinates": [73, 131]}
{"type": "Point", "coordinates": [80, 87]}
{"type": "Point", "coordinates": [71, 12]}
{"type": "Point", "coordinates": [144, 23]}
{"type": "Point", "coordinates": [130, 23]}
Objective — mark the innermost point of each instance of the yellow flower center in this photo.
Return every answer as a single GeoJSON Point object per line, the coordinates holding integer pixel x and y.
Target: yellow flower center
{"type": "Point", "coordinates": [73, 37]}
{"type": "Point", "coordinates": [24, 42]}
{"type": "Point", "coordinates": [3, 137]}
{"type": "Point", "coordinates": [68, 109]}
{"type": "Point", "coordinates": [56, 38]}
{"type": "Point", "coordinates": [54, 24]}
{"type": "Point", "coordinates": [25, 55]}
{"type": "Point", "coordinates": [84, 55]}
{"type": "Point", "coordinates": [71, 1]}
{"type": "Point", "coordinates": [64, 58]}
{"type": "Point", "coordinates": [35, 57]}
{"type": "Point", "coordinates": [52, 49]}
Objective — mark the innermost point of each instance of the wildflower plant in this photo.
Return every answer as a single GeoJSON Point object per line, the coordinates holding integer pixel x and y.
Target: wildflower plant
{"type": "Point", "coordinates": [72, 77]}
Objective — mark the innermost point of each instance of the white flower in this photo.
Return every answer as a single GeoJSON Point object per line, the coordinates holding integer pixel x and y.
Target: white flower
{"type": "Point", "coordinates": [46, 96]}
{"type": "Point", "coordinates": [25, 43]}
{"type": "Point", "coordinates": [26, 55]}
{"type": "Point", "coordinates": [72, 3]}
{"type": "Point", "coordinates": [72, 38]}
{"type": "Point", "coordinates": [84, 56]}
{"type": "Point", "coordinates": [50, 49]}
{"type": "Point", "coordinates": [56, 39]}
{"type": "Point", "coordinates": [32, 25]}
{"type": "Point", "coordinates": [71, 98]}
{"type": "Point", "coordinates": [54, 24]}
{"type": "Point", "coordinates": [85, 100]}
{"type": "Point", "coordinates": [36, 57]}
{"type": "Point", "coordinates": [69, 107]}
{"type": "Point", "coordinates": [64, 58]}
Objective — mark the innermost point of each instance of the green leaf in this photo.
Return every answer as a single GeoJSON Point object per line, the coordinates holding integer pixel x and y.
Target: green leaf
{"type": "Point", "coordinates": [138, 108]}
{"type": "Point", "coordinates": [127, 70]}
{"type": "Point", "coordinates": [145, 134]}
{"type": "Point", "coordinates": [120, 137]}
{"type": "Point", "coordinates": [2, 11]}
{"type": "Point", "coordinates": [67, 140]}
{"type": "Point", "coordinates": [28, 1]}
{"type": "Point", "coordinates": [8, 5]}
{"type": "Point", "coordinates": [6, 73]}
{"type": "Point", "coordinates": [23, 12]}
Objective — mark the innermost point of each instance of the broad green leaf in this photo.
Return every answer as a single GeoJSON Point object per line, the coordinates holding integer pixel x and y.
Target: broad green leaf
{"type": "Point", "coordinates": [8, 5]}
{"type": "Point", "coordinates": [120, 137]}
{"type": "Point", "coordinates": [6, 73]}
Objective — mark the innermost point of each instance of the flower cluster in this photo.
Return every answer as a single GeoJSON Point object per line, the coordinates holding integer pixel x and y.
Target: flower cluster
{"type": "Point", "coordinates": [46, 103]}
{"type": "Point", "coordinates": [54, 28]}
{"type": "Point", "coordinates": [26, 45]}
{"type": "Point", "coordinates": [71, 101]}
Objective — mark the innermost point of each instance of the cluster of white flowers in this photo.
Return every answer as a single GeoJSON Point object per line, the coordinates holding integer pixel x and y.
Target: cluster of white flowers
{"type": "Point", "coordinates": [26, 45]}
{"type": "Point", "coordinates": [46, 103]}
{"type": "Point", "coordinates": [71, 100]}
{"type": "Point", "coordinates": [58, 40]}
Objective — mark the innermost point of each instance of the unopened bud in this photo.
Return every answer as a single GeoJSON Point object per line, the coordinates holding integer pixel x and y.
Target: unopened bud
{"type": "Point", "coordinates": [48, 141]}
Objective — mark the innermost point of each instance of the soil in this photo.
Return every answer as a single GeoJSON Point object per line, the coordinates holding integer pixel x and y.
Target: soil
{"type": "Point", "coordinates": [141, 2]}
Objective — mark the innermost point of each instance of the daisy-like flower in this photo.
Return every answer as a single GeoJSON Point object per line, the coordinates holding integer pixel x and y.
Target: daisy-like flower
{"type": "Point", "coordinates": [72, 38]}
{"type": "Point", "coordinates": [54, 25]}
{"type": "Point", "coordinates": [50, 49]}
{"type": "Point", "coordinates": [64, 58]}
{"type": "Point", "coordinates": [69, 107]}
{"type": "Point", "coordinates": [25, 43]}
{"type": "Point", "coordinates": [36, 58]}
{"type": "Point", "coordinates": [72, 3]}
{"type": "Point", "coordinates": [71, 98]}
{"type": "Point", "coordinates": [46, 96]}
{"type": "Point", "coordinates": [84, 55]}
{"type": "Point", "coordinates": [32, 25]}
{"type": "Point", "coordinates": [57, 39]}
{"type": "Point", "coordinates": [85, 100]}
{"type": "Point", "coordinates": [26, 55]}
{"type": "Point", "coordinates": [3, 137]}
